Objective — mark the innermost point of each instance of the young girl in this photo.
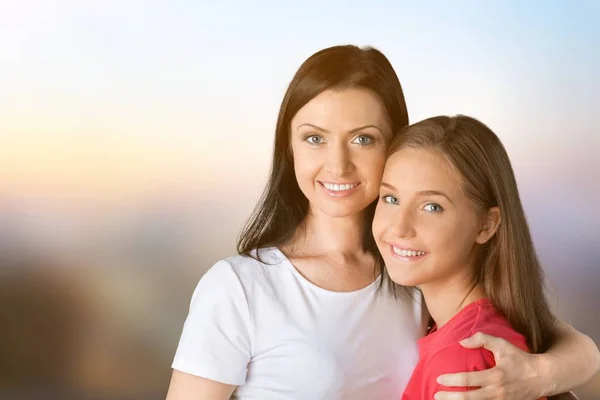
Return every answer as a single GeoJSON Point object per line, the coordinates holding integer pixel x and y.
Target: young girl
{"type": "Point", "coordinates": [450, 222]}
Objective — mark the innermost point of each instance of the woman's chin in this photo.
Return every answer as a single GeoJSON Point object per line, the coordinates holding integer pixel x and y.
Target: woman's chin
{"type": "Point", "coordinates": [341, 210]}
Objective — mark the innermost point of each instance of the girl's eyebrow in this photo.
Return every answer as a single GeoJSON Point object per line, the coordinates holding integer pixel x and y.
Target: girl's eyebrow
{"type": "Point", "coordinates": [422, 192]}
{"type": "Point", "coordinates": [434, 193]}
{"type": "Point", "coordinates": [387, 185]}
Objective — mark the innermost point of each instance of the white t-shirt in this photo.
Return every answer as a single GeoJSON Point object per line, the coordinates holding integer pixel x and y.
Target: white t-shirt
{"type": "Point", "coordinates": [268, 330]}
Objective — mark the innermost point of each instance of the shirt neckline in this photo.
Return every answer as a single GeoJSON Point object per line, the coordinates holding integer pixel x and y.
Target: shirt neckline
{"type": "Point", "coordinates": [286, 261]}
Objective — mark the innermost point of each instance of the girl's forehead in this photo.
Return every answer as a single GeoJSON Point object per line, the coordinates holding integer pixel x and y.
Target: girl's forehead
{"type": "Point", "coordinates": [412, 168]}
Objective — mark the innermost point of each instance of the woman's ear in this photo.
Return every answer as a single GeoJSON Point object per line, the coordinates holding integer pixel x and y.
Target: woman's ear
{"type": "Point", "coordinates": [491, 222]}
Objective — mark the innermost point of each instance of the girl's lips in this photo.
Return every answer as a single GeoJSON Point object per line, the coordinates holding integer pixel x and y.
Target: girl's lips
{"type": "Point", "coordinates": [407, 254]}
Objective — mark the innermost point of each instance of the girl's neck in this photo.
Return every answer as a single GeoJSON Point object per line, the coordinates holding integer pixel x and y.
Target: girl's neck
{"type": "Point", "coordinates": [446, 299]}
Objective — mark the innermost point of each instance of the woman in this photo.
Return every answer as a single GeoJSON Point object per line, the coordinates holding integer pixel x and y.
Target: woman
{"type": "Point", "coordinates": [450, 222]}
{"type": "Point", "coordinates": [305, 310]}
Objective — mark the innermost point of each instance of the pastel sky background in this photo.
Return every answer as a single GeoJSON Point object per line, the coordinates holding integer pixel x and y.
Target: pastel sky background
{"type": "Point", "coordinates": [112, 107]}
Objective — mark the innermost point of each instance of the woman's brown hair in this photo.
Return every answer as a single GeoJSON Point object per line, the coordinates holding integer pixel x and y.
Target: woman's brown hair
{"type": "Point", "coordinates": [283, 206]}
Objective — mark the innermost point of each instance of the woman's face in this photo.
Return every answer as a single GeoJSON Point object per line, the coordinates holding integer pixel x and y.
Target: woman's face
{"type": "Point", "coordinates": [339, 141]}
{"type": "Point", "coordinates": [426, 228]}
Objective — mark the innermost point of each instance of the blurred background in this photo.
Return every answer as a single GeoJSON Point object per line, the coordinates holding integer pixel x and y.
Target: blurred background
{"type": "Point", "coordinates": [136, 136]}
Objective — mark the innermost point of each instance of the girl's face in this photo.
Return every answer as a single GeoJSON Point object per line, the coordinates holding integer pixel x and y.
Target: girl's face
{"type": "Point", "coordinates": [339, 141]}
{"type": "Point", "coordinates": [426, 228]}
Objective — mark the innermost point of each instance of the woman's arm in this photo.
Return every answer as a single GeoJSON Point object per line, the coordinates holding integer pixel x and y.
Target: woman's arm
{"type": "Point", "coordinates": [214, 347]}
{"type": "Point", "coordinates": [190, 387]}
{"type": "Point", "coordinates": [570, 362]}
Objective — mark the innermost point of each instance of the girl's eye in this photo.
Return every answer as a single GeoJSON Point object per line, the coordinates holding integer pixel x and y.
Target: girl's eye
{"type": "Point", "coordinates": [433, 207]}
{"type": "Point", "coordinates": [389, 199]}
{"type": "Point", "coordinates": [363, 140]}
{"type": "Point", "coordinates": [314, 139]}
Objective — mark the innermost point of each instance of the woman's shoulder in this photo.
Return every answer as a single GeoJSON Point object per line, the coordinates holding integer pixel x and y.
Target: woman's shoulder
{"type": "Point", "coordinates": [245, 268]}
{"type": "Point", "coordinates": [264, 257]}
{"type": "Point", "coordinates": [256, 262]}
{"type": "Point", "coordinates": [236, 278]}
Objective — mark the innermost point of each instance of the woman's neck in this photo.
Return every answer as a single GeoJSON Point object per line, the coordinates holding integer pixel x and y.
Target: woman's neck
{"type": "Point", "coordinates": [322, 234]}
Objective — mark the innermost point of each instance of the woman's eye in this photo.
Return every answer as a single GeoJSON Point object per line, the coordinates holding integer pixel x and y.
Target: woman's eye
{"type": "Point", "coordinates": [363, 140]}
{"type": "Point", "coordinates": [434, 208]}
{"type": "Point", "coordinates": [314, 139]}
{"type": "Point", "coordinates": [389, 199]}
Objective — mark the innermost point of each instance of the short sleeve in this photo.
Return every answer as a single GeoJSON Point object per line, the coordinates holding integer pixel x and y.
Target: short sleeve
{"type": "Point", "coordinates": [454, 359]}
{"type": "Point", "coordinates": [216, 339]}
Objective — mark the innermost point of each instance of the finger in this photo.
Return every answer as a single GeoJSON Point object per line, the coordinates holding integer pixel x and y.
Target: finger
{"type": "Point", "coordinates": [465, 379]}
{"type": "Point", "coordinates": [470, 395]}
{"type": "Point", "coordinates": [492, 343]}
{"type": "Point", "coordinates": [450, 396]}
